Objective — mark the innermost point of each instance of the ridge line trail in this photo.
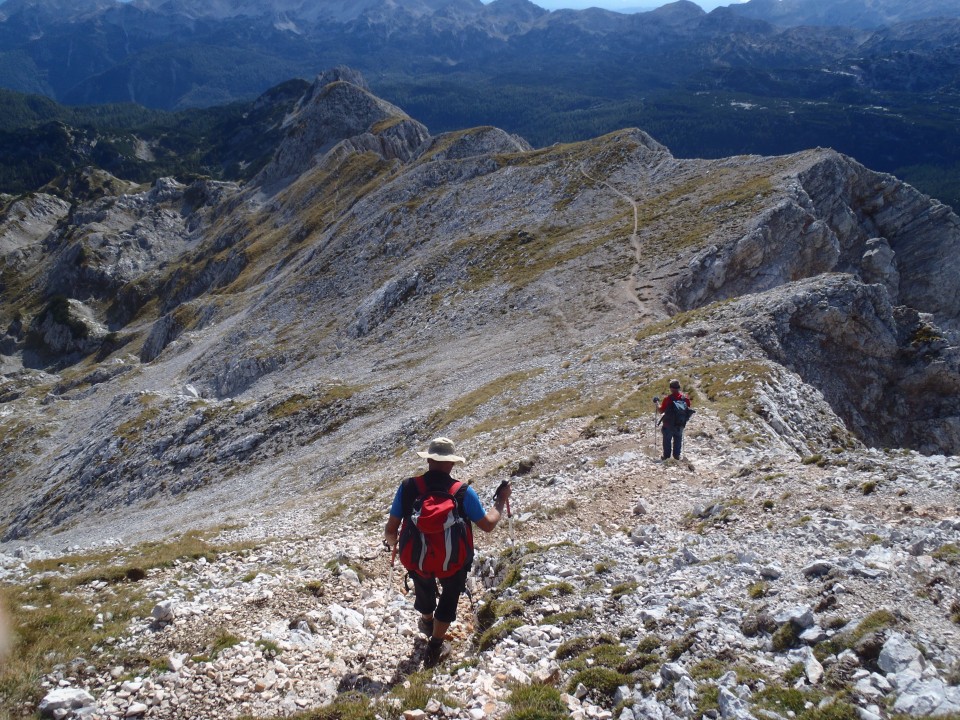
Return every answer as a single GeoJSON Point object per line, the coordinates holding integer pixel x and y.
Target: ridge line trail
{"type": "Point", "coordinates": [631, 283]}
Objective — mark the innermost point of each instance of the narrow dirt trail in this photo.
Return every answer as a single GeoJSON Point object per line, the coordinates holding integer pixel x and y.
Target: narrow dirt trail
{"type": "Point", "coordinates": [632, 289]}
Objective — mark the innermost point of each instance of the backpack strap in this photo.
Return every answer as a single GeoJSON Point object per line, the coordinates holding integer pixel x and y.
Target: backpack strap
{"type": "Point", "coordinates": [421, 485]}
{"type": "Point", "coordinates": [413, 488]}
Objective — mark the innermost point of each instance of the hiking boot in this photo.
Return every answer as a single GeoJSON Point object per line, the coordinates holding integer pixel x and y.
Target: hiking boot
{"type": "Point", "coordinates": [438, 650]}
{"type": "Point", "coordinates": [425, 626]}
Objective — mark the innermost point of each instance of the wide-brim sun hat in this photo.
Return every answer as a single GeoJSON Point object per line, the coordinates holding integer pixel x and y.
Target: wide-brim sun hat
{"type": "Point", "coordinates": [441, 449]}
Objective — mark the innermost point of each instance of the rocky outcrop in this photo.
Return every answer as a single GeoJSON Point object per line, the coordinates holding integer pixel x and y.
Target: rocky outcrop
{"type": "Point", "coordinates": [859, 205]}
{"type": "Point", "coordinates": [841, 217]}
{"type": "Point", "coordinates": [64, 329]}
{"type": "Point", "coordinates": [24, 224]}
{"type": "Point", "coordinates": [332, 112]}
{"type": "Point", "coordinates": [892, 376]}
{"type": "Point", "coordinates": [483, 141]}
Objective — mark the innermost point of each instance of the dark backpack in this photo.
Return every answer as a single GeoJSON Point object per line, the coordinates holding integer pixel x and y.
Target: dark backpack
{"type": "Point", "coordinates": [678, 412]}
{"type": "Point", "coordinates": [436, 540]}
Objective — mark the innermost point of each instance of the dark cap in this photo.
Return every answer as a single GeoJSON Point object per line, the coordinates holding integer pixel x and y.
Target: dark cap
{"type": "Point", "coordinates": [675, 384]}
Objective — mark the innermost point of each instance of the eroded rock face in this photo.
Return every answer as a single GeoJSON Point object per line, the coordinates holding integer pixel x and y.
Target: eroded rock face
{"type": "Point", "coordinates": [891, 376]}
{"type": "Point", "coordinates": [840, 217]}
{"type": "Point", "coordinates": [65, 327]}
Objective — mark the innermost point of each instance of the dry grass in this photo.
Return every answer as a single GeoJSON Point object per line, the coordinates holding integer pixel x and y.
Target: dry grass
{"type": "Point", "coordinates": [54, 617]}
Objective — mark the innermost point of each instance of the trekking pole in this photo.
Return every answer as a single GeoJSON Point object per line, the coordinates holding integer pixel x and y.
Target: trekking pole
{"type": "Point", "coordinates": [656, 407]}
{"type": "Point", "coordinates": [496, 495]}
{"type": "Point", "coordinates": [383, 621]}
{"type": "Point", "coordinates": [393, 557]}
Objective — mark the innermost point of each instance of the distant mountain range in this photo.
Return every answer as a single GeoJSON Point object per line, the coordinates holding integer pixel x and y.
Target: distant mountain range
{"type": "Point", "coordinates": [880, 82]}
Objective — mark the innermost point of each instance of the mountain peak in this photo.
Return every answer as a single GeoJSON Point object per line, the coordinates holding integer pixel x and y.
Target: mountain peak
{"type": "Point", "coordinates": [337, 107]}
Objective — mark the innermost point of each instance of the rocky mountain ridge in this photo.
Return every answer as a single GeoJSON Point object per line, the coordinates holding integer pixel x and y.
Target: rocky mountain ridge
{"type": "Point", "coordinates": [844, 13]}
{"type": "Point", "coordinates": [267, 356]}
{"type": "Point", "coordinates": [885, 95]}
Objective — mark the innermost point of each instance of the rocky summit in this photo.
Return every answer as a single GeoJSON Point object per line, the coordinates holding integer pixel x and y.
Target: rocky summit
{"type": "Point", "coordinates": [210, 392]}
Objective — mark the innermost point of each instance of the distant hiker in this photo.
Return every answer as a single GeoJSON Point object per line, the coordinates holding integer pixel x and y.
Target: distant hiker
{"type": "Point", "coordinates": [676, 411]}
{"type": "Point", "coordinates": [435, 540]}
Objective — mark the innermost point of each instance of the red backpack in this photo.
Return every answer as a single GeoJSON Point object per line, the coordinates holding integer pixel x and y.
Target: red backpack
{"type": "Point", "coordinates": [436, 540]}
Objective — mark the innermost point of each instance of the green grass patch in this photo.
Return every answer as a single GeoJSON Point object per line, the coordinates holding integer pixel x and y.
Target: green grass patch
{"type": "Point", "coordinates": [600, 681]}
{"type": "Point", "coordinates": [547, 591]}
{"type": "Point", "coordinates": [568, 617]}
{"type": "Point", "coordinates": [708, 669]}
{"type": "Point", "coordinates": [948, 553]}
{"type": "Point", "coordinates": [300, 404]}
{"type": "Point", "coordinates": [470, 403]}
{"type": "Point", "coordinates": [625, 588]}
{"type": "Point", "coordinates": [498, 632]}
{"type": "Point", "coordinates": [535, 702]}
{"type": "Point", "coordinates": [604, 655]}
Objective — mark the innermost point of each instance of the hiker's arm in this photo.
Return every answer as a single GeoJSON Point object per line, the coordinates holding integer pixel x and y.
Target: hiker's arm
{"type": "Point", "coordinates": [489, 521]}
{"type": "Point", "coordinates": [391, 530]}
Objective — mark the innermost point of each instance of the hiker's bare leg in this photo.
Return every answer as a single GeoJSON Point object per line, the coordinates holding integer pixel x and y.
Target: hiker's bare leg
{"type": "Point", "coordinates": [440, 628]}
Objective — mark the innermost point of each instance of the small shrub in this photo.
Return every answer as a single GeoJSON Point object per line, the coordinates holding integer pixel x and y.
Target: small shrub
{"type": "Point", "coordinates": [622, 589]}
{"type": "Point", "coordinates": [504, 608]}
{"type": "Point", "coordinates": [948, 553]}
{"type": "Point", "coordinates": [794, 673]}
{"type": "Point", "coordinates": [552, 590]}
{"type": "Point", "coordinates": [270, 648]}
{"type": "Point", "coordinates": [836, 710]}
{"type": "Point", "coordinates": [812, 459]}
{"type": "Point", "coordinates": [708, 669]}
{"type": "Point", "coordinates": [782, 699]}
{"type": "Point", "coordinates": [878, 620]}
{"type": "Point", "coordinates": [679, 647]}
{"type": "Point", "coordinates": [604, 655]}
{"type": "Point", "coordinates": [758, 590]}
{"type": "Point", "coordinates": [785, 637]}
{"type": "Point", "coordinates": [836, 622]}
{"type": "Point", "coordinates": [491, 637]}
{"type": "Point", "coordinates": [579, 645]}
{"type": "Point", "coordinates": [222, 641]}
{"type": "Point", "coordinates": [708, 700]}
{"type": "Point", "coordinates": [639, 661]}
{"type": "Point", "coordinates": [868, 487]}
{"type": "Point", "coordinates": [510, 578]}
{"type": "Point", "coordinates": [603, 682]}
{"type": "Point", "coordinates": [649, 643]}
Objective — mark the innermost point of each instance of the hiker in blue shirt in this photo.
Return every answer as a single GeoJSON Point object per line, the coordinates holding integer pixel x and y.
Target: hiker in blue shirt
{"type": "Point", "coordinates": [436, 493]}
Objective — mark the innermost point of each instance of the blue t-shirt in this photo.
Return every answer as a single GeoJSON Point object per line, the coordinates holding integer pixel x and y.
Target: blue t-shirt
{"type": "Point", "coordinates": [471, 504]}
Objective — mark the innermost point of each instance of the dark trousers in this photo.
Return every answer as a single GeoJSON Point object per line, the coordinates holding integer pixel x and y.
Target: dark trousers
{"type": "Point", "coordinates": [672, 435]}
{"type": "Point", "coordinates": [444, 610]}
